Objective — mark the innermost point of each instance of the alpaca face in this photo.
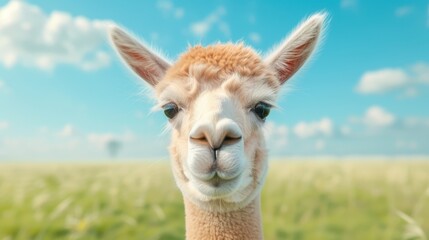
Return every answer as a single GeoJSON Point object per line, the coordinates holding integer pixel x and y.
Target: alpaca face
{"type": "Point", "coordinates": [216, 99]}
{"type": "Point", "coordinates": [218, 148]}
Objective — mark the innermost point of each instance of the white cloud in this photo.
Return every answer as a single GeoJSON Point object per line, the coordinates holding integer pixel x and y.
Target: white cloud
{"type": "Point", "coordinates": [67, 131]}
{"type": "Point", "coordinates": [323, 127]}
{"type": "Point", "coordinates": [31, 37]}
{"type": "Point", "coordinates": [403, 11]}
{"type": "Point", "coordinates": [4, 125]}
{"type": "Point", "coordinates": [201, 28]}
{"type": "Point", "coordinates": [276, 134]}
{"type": "Point", "coordinates": [388, 79]}
{"type": "Point", "coordinates": [376, 116]}
{"type": "Point", "coordinates": [255, 37]}
{"type": "Point", "coordinates": [168, 7]}
{"type": "Point", "coordinates": [348, 3]}
{"type": "Point", "coordinates": [382, 80]}
{"type": "Point", "coordinates": [377, 121]}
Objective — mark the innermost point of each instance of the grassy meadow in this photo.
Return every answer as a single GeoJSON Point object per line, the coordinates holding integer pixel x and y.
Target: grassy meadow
{"type": "Point", "coordinates": [301, 200]}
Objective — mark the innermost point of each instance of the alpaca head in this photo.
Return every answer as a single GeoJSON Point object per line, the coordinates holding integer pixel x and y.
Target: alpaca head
{"type": "Point", "coordinates": [216, 99]}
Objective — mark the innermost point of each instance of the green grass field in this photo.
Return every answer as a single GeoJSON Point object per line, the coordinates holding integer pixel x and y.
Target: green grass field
{"type": "Point", "coordinates": [301, 200]}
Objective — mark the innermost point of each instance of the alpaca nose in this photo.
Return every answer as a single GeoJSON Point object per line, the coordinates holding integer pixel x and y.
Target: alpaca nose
{"type": "Point", "coordinates": [224, 132]}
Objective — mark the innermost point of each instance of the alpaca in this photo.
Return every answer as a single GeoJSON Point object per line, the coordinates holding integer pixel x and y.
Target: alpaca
{"type": "Point", "coordinates": [216, 99]}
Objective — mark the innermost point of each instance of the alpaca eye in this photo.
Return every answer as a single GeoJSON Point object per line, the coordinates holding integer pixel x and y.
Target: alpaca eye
{"type": "Point", "coordinates": [262, 110]}
{"type": "Point", "coordinates": [170, 110]}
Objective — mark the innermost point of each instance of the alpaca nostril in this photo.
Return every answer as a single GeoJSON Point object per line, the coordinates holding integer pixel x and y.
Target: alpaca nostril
{"type": "Point", "coordinates": [201, 135]}
{"type": "Point", "coordinates": [201, 140]}
{"type": "Point", "coordinates": [229, 140]}
{"type": "Point", "coordinates": [224, 133]}
{"type": "Point", "coordinates": [230, 132]}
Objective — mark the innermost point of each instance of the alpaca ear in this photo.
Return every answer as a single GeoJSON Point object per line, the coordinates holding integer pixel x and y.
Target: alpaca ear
{"type": "Point", "coordinates": [291, 54]}
{"type": "Point", "coordinates": [143, 61]}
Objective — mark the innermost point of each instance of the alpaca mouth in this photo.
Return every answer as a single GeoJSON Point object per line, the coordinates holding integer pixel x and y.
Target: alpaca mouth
{"type": "Point", "coordinates": [218, 187]}
{"type": "Point", "coordinates": [217, 181]}
{"type": "Point", "coordinates": [215, 174]}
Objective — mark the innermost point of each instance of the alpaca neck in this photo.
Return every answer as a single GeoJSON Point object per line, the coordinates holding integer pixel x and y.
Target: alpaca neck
{"type": "Point", "coordinates": [244, 223]}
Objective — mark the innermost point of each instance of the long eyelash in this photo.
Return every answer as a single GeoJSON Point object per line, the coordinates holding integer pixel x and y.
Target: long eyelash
{"type": "Point", "coordinates": [271, 104]}
{"type": "Point", "coordinates": [160, 106]}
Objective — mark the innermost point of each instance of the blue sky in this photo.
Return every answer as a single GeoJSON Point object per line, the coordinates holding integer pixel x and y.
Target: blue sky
{"type": "Point", "coordinates": [64, 94]}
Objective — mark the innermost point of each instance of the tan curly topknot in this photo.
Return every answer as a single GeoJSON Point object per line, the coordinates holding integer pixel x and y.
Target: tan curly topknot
{"type": "Point", "coordinates": [227, 58]}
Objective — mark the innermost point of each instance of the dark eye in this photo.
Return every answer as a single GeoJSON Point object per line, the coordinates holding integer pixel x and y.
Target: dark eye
{"type": "Point", "coordinates": [261, 110]}
{"type": "Point", "coordinates": [170, 110]}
